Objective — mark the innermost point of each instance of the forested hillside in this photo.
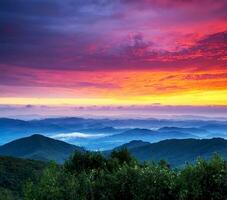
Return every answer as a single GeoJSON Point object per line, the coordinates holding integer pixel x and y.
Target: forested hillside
{"type": "Point", "coordinates": [14, 172]}
{"type": "Point", "coordinates": [91, 176]}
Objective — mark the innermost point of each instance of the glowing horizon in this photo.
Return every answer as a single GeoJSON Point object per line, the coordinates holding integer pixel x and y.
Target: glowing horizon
{"type": "Point", "coordinates": [210, 98]}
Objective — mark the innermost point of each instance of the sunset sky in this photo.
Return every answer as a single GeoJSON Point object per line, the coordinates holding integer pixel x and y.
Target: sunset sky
{"type": "Point", "coordinates": [119, 52]}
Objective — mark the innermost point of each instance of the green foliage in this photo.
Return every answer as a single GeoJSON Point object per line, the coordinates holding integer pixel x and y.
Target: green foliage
{"type": "Point", "coordinates": [204, 180]}
{"type": "Point", "coordinates": [156, 182]}
{"type": "Point", "coordinates": [55, 183]}
{"type": "Point", "coordinates": [123, 156]}
{"type": "Point", "coordinates": [85, 161]}
{"type": "Point", "coordinates": [91, 176]}
{"type": "Point", "coordinates": [14, 172]}
{"type": "Point", "coordinates": [6, 194]}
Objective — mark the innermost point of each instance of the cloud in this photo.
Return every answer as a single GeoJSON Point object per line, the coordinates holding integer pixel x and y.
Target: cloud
{"type": "Point", "coordinates": [135, 111]}
{"type": "Point", "coordinates": [110, 35]}
{"type": "Point", "coordinates": [68, 136]}
{"type": "Point", "coordinates": [111, 49]}
{"type": "Point", "coordinates": [206, 76]}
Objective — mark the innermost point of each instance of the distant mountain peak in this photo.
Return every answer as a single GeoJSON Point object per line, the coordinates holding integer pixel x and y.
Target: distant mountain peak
{"type": "Point", "coordinates": [134, 144]}
{"type": "Point", "coordinates": [39, 147]}
{"type": "Point", "coordinates": [177, 151]}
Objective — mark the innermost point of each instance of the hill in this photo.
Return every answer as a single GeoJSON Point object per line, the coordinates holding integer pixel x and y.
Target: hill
{"type": "Point", "coordinates": [194, 131]}
{"type": "Point", "coordinates": [39, 147]}
{"type": "Point", "coordinates": [177, 151]}
{"type": "Point", "coordinates": [134, 144]}
{"type": "Point", "coordinates": [14, 172]}
{"type": "Point", "coordinates": [111, 141]}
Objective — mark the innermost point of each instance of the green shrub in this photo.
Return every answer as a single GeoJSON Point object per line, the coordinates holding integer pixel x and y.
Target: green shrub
{"type": "Point", "coordinates": [90, 176]}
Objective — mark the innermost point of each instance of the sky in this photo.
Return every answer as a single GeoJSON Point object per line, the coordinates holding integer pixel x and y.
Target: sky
{"type": "Point", "coordinates": [111, 53]}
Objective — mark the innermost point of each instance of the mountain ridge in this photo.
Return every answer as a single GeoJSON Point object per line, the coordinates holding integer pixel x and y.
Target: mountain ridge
{"type": "Point", "coordinates": [39, 147]}
{"type": "Point", "coordinates": [178, 151]}
{"type": "Point", "coordinates": [175, 151]}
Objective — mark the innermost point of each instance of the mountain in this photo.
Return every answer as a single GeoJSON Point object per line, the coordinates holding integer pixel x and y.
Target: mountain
{"type": "Point", "coordinates": [134, 133]}
{"type": "Point", "coordinates": [39, 147]}
{"type": "Point", "coordinates": [193, 131]}
{"type": "Point", "coordinates": [133, 144]}
{"type": "Point", "coordinates": [103, 134]}
{"type": "Point", "coordinates": [11, 129]}
{"type": "Point", "coordinates": [104, 130]}
{"type": "Point", "coordinates": [111, 141]}
{"type": "Point", "coordinates": [14, 172]}
{"type": "Point", "coordinates": [138, 133]}
{"type": "Point", "coordinates": [216, 127]}
{"type": "Point", "coordinates": [177, 151]}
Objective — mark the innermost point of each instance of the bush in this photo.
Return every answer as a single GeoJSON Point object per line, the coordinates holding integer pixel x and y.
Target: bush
{"type": "Point", "coordinates": [85, 161]}
{"type": "Point", "coordinates": [57, 184]}
{"type": "Point", "coordinates": [90, 176]}
{"type": "Point", "coordinates": [203, 181]}
{"type": "Point", "coordinates": [6, 194]}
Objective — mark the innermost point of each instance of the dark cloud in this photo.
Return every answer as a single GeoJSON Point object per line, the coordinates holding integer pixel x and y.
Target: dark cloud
{"type": "Point", "coordinates": [211, 49]}
{"type": "Point", "coordinates": [33, 78]}
{"type": "Point", "coordinates": [78, 35]}
{"type": "Point", "coordinates": [174, 3]}
{"type": "Point", "coordinates": [206, 76]}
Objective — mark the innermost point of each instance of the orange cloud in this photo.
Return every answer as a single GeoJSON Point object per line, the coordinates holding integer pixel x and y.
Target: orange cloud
{"type": "Point", "coordinates": [120, 87]}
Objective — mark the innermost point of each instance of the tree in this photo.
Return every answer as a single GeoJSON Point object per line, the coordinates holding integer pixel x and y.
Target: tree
{"type": "Point", "coordinates": [6, 194]}
{"type": "Point", "coordinates": [85, 161]}
{"type": "Point", "coordinates": [123, 156]}
{"type": "Point", "coordinates": [205, 180]}
{"type": "Point", "coordinates": [91, 176]}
